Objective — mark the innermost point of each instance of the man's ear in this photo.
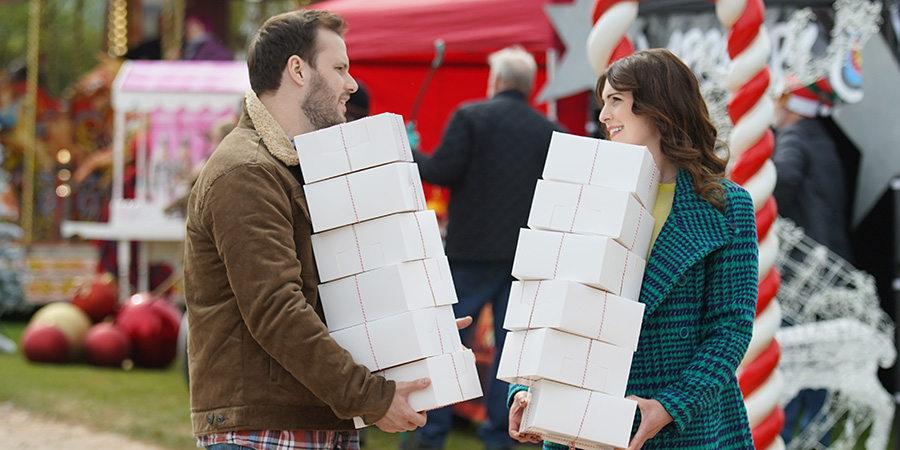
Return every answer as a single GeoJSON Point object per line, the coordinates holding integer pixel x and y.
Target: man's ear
{"type": "Point", "coordinates": [296, 70]}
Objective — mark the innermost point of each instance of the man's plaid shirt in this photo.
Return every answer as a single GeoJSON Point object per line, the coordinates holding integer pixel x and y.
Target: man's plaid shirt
{"type": "Point", "coordinates": [285, 440]}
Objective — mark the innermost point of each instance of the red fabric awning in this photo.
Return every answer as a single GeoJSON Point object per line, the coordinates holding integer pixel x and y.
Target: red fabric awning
{"type": "Point", "coordinates": [405, 30]}
{"type": "Point", "coordinates": [391, 47]}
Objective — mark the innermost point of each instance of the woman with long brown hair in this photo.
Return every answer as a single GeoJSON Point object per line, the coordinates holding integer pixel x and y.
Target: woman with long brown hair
{"type": "Point", "coordinates": [700, 282]}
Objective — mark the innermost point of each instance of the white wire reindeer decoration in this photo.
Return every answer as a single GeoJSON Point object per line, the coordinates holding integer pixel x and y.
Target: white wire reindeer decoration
{"type": "Point", "coordinates": [838, 336]}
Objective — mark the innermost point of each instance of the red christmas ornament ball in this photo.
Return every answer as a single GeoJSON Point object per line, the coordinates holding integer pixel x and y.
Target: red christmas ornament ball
{"type": "Point", "coordinates": [152, 324]}
{"type": "Point", "coordinates": [99, 297]}
{"type": "Point", "coordinates": [45, 343]}
{"type": "Point", "coordinates": [106, 345]}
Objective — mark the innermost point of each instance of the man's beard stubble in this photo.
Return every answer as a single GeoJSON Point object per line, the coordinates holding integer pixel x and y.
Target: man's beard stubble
{"type": "Point", "coordinates": [319, 106]}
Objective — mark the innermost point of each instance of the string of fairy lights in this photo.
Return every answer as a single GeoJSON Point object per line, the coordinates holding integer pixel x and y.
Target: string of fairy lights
{"type": "Point", "coordinates": [118, 28]}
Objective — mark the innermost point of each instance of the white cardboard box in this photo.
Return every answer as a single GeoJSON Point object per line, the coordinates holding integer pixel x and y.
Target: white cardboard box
{"type": "Point", "coordinates": [393, 239]}
{"type": "Point", "coordinates": [596, 261]}
{"type": "Point", "coordinates": [545, 353]}
{"type": "Point", "coordinates": [586, 209]}
{"type": "Point", "coordinates": [584, 160]}
{"type": "Point", "coordinates": [573, 416]}
{"type": "Point", "coordinates": [454, 379]}
{"type": "Point", "coordinates": [386, 291]}
{"type": "Point", "coordinates": [367, 194]}
{"type": "Point", "coordinates": [352, 146]}
{"type": "Point", "coordinates": [401, 338]}
{"type": "Point", "coordinates": [574, 308]}
{"type": "Point", "coordinates": [634, 276]}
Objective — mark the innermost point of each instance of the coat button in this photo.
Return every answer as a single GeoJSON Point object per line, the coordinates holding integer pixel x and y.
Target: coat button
{"type": "Point", "coordinates": [732, 225]}
{"type": "Point", "coordinates": [681, 281]}
{"type": "Point", "coordinates": [684, 333]}
{"type": "Point", "coordinates": [220, 418]}
{"type": "Point", "coordinates": [209, 419]}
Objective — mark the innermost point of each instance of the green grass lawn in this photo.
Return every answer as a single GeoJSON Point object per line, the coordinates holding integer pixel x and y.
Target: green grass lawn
{"type": "Point", "coordinates": [146, 405]}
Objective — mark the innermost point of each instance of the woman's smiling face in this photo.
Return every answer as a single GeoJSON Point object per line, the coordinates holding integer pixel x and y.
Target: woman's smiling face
{"type": "Point", "coordinates": [622, 123]}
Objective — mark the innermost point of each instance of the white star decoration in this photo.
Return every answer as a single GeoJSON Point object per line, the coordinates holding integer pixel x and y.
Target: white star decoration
{"type": "Point", "coordinates": [871, 125]}
{"type": "Point", "coordinates": [574, 74]}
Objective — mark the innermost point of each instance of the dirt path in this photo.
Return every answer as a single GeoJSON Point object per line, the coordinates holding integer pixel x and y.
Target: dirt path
{"type": "Point", "coordinates": [22, 430]}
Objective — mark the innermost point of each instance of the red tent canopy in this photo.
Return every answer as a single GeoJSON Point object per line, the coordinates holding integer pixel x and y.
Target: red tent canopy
{"type": "Point", "coordinates": [405, 30]}
{"type": "Point", "coordinates": [391, 47]}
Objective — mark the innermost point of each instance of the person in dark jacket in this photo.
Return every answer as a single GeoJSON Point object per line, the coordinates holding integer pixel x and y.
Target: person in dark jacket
{"type": "Point", "coordinates": [491, 156]}
{"type": "Point", "coordinates": [812, 188]}
{"type": "Point", "coordinates": [200, 44]}
{"type": "Point", "coordinates": [700, 283]}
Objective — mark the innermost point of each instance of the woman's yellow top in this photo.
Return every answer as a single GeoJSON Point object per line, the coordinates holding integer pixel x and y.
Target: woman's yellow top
{"type": "Point", "coordinates": [661, 210]}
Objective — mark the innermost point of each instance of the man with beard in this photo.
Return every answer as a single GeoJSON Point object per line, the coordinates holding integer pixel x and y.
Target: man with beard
{"type": "Point", "coordinates": [264, 372]}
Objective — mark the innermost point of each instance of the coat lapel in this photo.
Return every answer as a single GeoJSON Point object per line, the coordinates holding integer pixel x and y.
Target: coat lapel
{"type": "Point", "coordinates": [693, 229]}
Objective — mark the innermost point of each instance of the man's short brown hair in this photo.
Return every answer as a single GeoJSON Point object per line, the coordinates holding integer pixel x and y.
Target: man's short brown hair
{"type": "Point", "coordinates": [285, 35]}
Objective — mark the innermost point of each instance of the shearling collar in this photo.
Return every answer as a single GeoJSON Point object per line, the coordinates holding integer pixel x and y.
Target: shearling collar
{"type": "Point", "coordinates": [270, 131]}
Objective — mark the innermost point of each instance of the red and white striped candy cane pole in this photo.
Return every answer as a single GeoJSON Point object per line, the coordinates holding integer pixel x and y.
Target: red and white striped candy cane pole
{"type": "Point", "coordinates": [751, 145]}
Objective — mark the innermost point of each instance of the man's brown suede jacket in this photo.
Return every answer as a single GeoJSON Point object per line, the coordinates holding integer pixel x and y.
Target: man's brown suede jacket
{"type": "Point", "coordinates": [260, 355]}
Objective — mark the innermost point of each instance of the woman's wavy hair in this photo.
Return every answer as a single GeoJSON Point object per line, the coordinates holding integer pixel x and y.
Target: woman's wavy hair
{"type": "Point", "coordinates": [666, 91]}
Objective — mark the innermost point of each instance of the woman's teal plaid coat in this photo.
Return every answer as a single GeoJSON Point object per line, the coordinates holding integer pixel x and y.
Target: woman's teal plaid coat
{"type": "Point", "coordinates": [700, 289]}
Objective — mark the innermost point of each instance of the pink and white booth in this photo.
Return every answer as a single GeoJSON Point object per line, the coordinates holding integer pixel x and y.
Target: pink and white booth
{"type": "Point", "coordinates": [163, 113]}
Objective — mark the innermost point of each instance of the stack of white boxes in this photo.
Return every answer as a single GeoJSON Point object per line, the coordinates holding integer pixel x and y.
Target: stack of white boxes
{"type": "Point", "coordinates": [573, 316]}
{"type": "Point", "coordinates": [386, 287]}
